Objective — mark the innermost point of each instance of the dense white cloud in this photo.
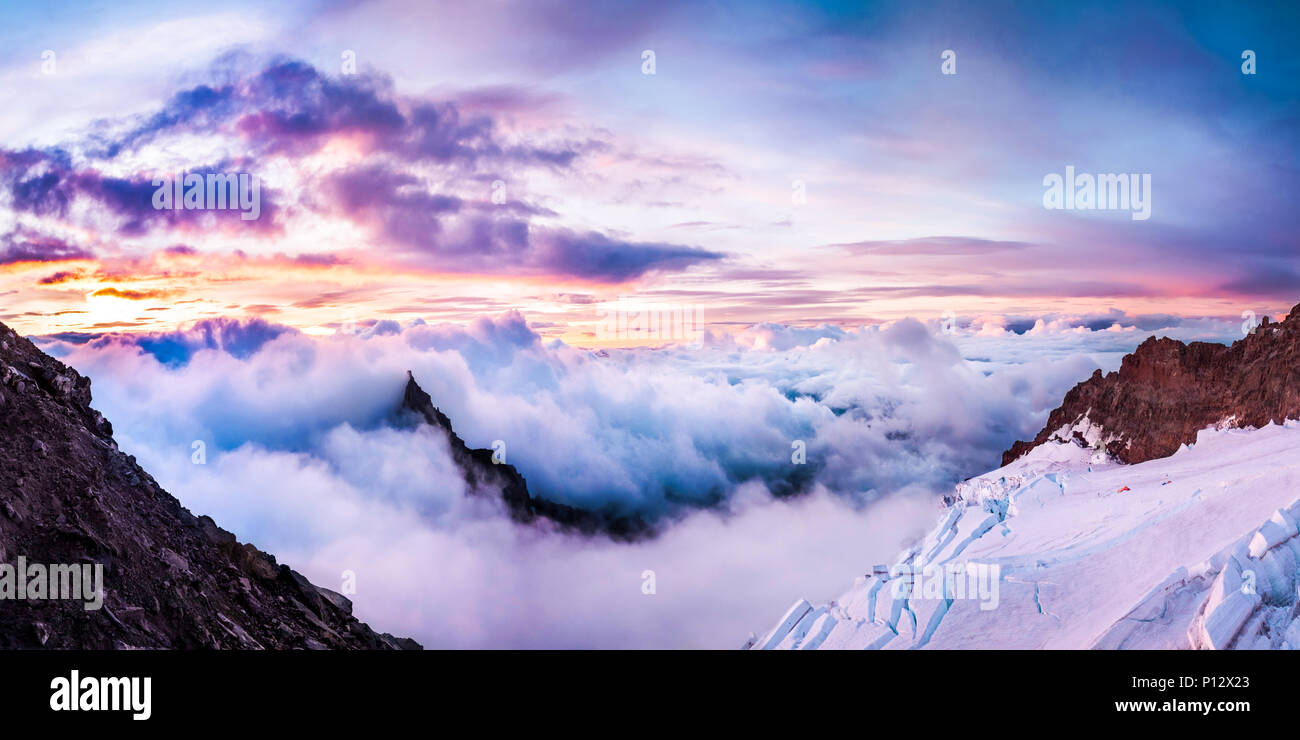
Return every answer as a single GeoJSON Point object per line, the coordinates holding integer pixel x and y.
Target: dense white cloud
{"type": "Point", "coordinates": [303, 459]}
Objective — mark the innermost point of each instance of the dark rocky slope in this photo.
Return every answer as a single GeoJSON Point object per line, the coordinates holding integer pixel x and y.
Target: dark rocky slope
{"type": "Point", "coordinates": [484, 477]}
{"type": "Point", "coordinates": [171, 579]}
{"type": "Point", "coordinates": [1166, 391]}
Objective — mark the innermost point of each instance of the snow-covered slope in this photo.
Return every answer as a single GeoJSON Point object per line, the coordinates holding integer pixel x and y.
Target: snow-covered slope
{"type": "Point", "coordinates": [1061, 549]}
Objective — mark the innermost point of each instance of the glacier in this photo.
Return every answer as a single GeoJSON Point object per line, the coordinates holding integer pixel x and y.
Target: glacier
{"type": "Point", "coordinates": [1196, 550]}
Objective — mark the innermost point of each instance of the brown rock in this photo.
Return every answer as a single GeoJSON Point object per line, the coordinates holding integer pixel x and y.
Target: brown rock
{"type": "Point", "coordinates": [1166, 391]}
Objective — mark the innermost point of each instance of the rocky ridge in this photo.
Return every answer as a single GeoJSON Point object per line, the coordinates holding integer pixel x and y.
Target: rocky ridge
{"type": "Point", "coordinates": [1166, 391]}
{"type": "Point", "coordinates": [483, 476]}
{"type": "Point", "coordinates": [171, 579]}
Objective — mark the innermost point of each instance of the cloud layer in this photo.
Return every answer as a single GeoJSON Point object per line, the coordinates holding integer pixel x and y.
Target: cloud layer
{"type": "Point", "coordinates": [301, 457]}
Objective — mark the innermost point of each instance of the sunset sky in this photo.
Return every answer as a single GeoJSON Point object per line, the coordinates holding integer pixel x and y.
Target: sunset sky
{"type": "Point", "coordinates": [466, 191]}
{"type": "Point", "coordinates": [797, 163]}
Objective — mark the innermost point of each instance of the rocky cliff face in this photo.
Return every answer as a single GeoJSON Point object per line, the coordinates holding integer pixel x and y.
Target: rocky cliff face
{"type": "Point", "coordinates": [170, 579]}
{"type": "Point", "coordinates": [485, 477]}
{"type": "Point", "coordinates": [1166, 391]}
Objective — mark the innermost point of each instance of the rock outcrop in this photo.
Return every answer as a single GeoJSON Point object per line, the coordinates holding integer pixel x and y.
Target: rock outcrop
{"type": "Point", "coordinates": [69, 496]}
{"type": "Point", "coordinates": [483, 476]}
{"type": "Point", "coordinates": [1166, 391]}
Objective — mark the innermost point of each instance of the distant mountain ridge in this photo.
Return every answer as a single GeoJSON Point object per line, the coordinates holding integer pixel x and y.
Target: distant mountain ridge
{"type": "Point", "coordinates": [68, 495]}
{"type": "Point", "coordinates": [1166, 391]}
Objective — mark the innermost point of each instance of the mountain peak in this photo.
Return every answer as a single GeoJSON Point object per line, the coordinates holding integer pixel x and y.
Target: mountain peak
{"type": "Point", "coordinates": [486, 474]}
{"type": "Point", "coordinates": [1166, 391]}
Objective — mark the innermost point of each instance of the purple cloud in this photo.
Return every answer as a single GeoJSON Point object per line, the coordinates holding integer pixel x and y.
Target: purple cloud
{"type": "Point", "coordinates": [46, 182]}
{"type": "Point", "coordinates": [291, 108]}
{"type": "Point", "coordinates": [24, 246]}
{"type": "Point", "coordinates": [454, 234]}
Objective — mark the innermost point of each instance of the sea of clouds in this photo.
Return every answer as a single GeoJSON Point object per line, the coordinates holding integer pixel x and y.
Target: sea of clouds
{"type": "Point", "coordinates": [301, 456]}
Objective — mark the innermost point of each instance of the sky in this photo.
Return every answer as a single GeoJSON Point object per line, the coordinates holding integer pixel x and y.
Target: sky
{"type": "Point", "coordinates": [608, 169]}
